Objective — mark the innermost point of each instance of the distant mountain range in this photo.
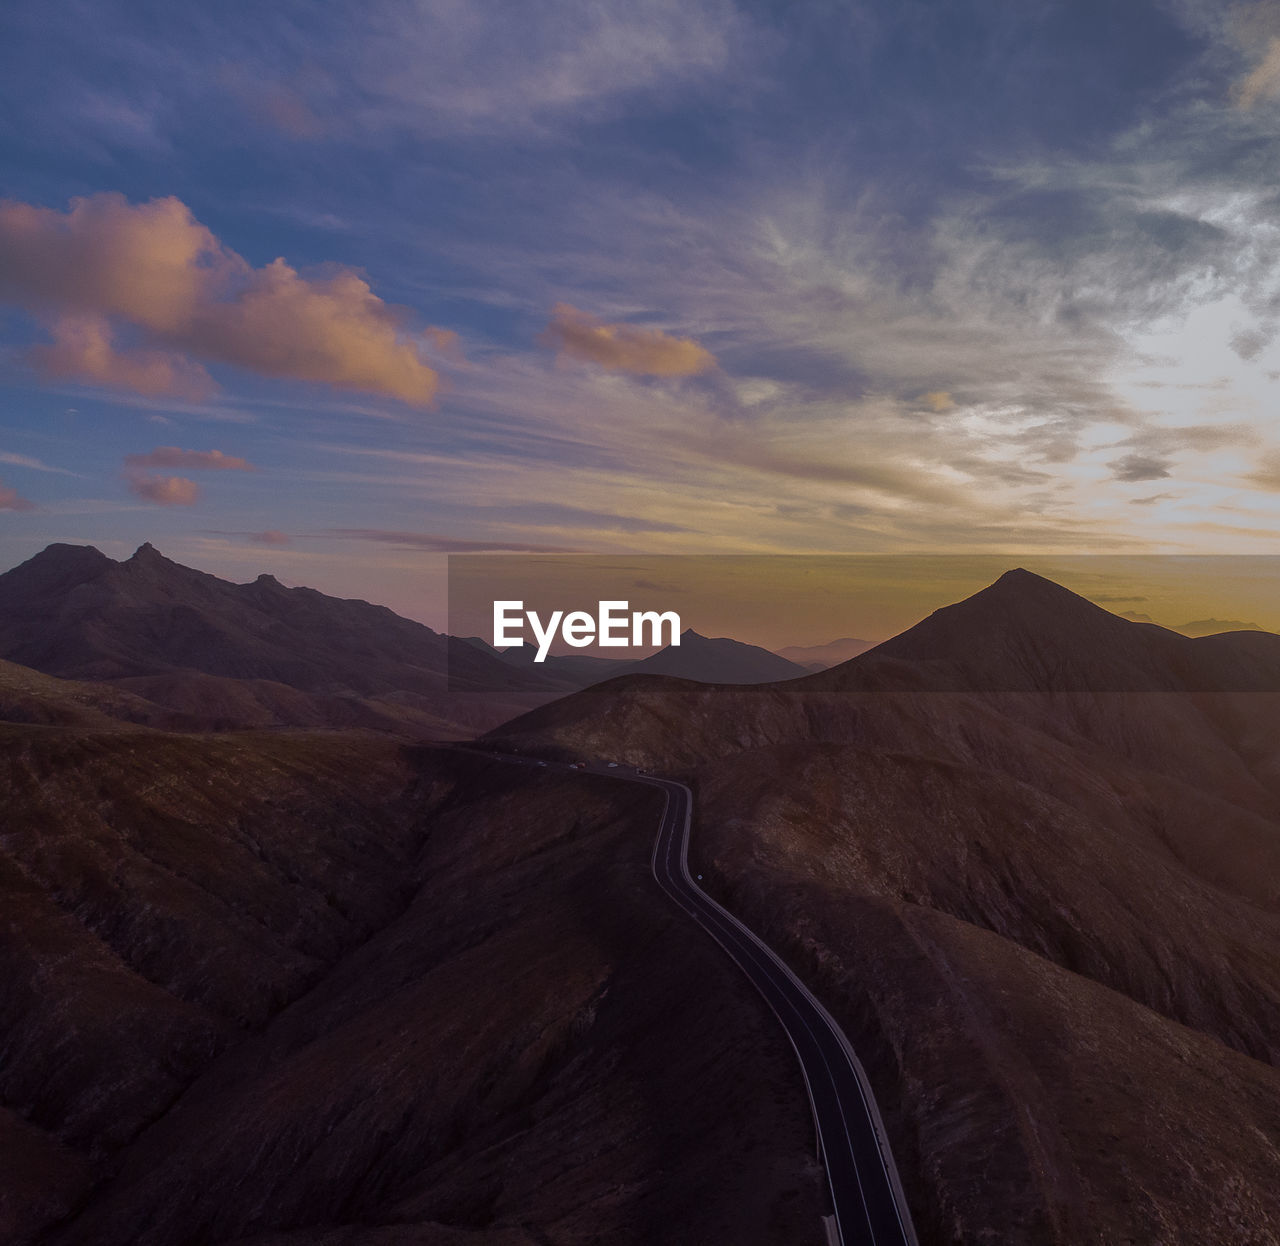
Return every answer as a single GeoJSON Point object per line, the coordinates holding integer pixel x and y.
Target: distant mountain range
{"type": "Point", "coordinates": [707, 660]}
{"type": "Point", "coordinates": [180, 648]}
{"type": "Point", "coordinates": [717, 660]}
{"type": "Point", "coordinates": [276, 987]}
{"type": "Point", "coordinates": [221, 654]}
{"type": "Point", "coordinates": [821, 657]}
{"type": "Point", "coordinates": [171, 646]}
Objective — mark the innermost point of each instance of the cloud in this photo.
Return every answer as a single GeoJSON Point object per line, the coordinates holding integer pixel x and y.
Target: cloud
{"type": "Point", "coordinates": [938, 400]}
{"type": "Point", "coordinates": [442, 544]}
{"type": "Point", "coordinates": [189, 460]}
{"type": "Point", "coordinates": [622, 347]}
{"type": "Point", "coordinates": [1263, 81]}
{"type": "Point", "coordinates": [24, 460]}
{"type": "Point", "coordinates": [165, 490]}
{"type": "Point", "coordinates": [1248, 344]}
{"type": "Point", "coordinates": [152, 271]}
{"type": "Point", "coordinates": [559, 515]}
{"type": "Point", "coordinates": [269, 537]}
{"type": "Point", "coordinates": [495, 67]}
{"type": "Point", "coordinates": [1151, 500]}
{"type": "Point", "coordinates": [444, 341]}
{"type": "Point", "coordinates": [1266, 476]}
{"type": "Point", "coordinates": [1107, 598]}
{"type": "Point", "coordinates": [11, 500]}
{"type": "Point", "coordinates": [83, 350]}
{"type": "Point", "coordinates": [1134, 467]}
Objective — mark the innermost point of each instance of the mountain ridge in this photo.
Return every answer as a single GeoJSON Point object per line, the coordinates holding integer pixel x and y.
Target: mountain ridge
{"type": "Point", "coordinates": [259, 654]}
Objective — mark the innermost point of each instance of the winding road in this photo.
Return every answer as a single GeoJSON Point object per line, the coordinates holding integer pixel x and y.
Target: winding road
{"type": "Point", "coordinates": [869, 1205]}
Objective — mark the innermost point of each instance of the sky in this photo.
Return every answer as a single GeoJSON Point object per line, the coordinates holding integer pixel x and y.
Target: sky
{"type": "Point", "coordinates": [331, 291]}
{"type": "Point", "coordinates": [813, 599]}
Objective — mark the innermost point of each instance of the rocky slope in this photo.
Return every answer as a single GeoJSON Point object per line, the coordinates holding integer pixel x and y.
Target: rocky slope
{"type": "Point", "coordinates": [285, 988]}
{"type": "Point", "coordinates": [1031, 854]}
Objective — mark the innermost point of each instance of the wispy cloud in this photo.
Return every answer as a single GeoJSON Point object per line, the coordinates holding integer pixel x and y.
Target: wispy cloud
{"type": "Point", "coordinates": [1265, 474]}
{"type": "Point", "coordinates": [1262, 82]}
{"type": "Point", "coordinates": [25, 460]}
{"type": "Point", "coordinates": [441, 544]}
{"type": "Point", "coordinates": [269, 537]}
{"type": "Point", "coordinates": [189, 460]}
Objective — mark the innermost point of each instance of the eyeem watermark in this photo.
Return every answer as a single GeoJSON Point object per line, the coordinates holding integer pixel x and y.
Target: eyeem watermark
{"type": "Point", "coordinates": [614, 626]}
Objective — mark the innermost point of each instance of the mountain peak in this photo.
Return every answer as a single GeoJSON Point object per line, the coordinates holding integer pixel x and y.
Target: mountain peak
{"type": "Point", "coordinates": [59, 551]}
{"type": "Point", "coordinates": [1026, 633]}
{"type": "Point", "coordinates": [1019, 579]}
{"type": "Point", "coordinates": [58, 565]}
{"type": "Point", "coordinates": [146, 552]}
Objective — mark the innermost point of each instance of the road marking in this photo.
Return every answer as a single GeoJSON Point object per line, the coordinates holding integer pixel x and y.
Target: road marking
{"type": "Point", "coordinates": [751, 949]}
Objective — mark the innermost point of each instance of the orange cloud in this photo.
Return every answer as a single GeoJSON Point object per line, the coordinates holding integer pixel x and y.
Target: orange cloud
{"type": "Point", "coordinates": [82, 349]}
{"type": "Point", "coordinates": [622, 347]}
{"type": "Point", "coordinates": [333, 329]}
{"type": "Point", "coordinates": [165, 490]}
{"type": "Point", "coordinates": [106, 264]}
{"type": "Point", "coordinates": [148, 264]}
{"type": "Point", "coordinates": [10, 500]}
{"type": "Point", "coordinates": [190, 460]}
{"type": "Point", "coordinates": [445, 341]}
{"type": "Point", "coordinates": [938, 400]}
{"type": "Point", "coordinates": [270, 537]}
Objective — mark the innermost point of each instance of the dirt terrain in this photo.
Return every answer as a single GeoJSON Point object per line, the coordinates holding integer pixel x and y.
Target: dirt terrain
{"type": "Point", "coordinates": [304, 988]}
{"type": "Point", "coordinates": [1029, 853]}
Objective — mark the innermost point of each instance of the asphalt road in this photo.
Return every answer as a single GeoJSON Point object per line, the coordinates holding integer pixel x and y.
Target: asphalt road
{"type": "Point", "coordinates": [870, 1208]}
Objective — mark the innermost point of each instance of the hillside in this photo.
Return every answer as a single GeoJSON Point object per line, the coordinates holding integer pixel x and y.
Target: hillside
{"type": "Point", "coordinates": [249, 655]}
{"type": "Point", "coordinates": [1030, 851]}
{"type": "Point", "coordinates": [299, 988]}
{"type": "Point", "coordinates": [27, 696]}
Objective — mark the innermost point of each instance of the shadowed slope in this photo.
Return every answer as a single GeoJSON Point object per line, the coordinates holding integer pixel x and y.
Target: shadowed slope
{"type": "Point", "coordinates": [1030, 853]}
{"type": "Point", "coordinates": [309, 988]}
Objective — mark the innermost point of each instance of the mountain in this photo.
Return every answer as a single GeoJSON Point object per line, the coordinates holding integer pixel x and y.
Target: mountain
{"type": "Point", "coordinates": [705, 660]}
{"type": "Point", "coordinates": [1025, 633]}
{"type": "Point", "coordinates": [1028, 852]}
{"type": "Point", "coordinates": [574, 670]}
{"type": "Point", "coordinates": [292, 988]}
{"type": "Point", "coordinates": [821, 657]}
{"type": "Point", "coordinates": [715, 661]}
{"type": "Point", "coordinates": [1210, 627]}
{"type": "Point", "coordinates": [283, 988]}
{"type": "Point", "coordinates": [256, 654]}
